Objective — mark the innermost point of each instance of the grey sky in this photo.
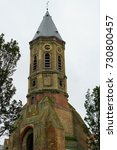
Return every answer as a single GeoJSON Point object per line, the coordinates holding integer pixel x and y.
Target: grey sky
{"type": "Point", "coordinates": [77, 22]}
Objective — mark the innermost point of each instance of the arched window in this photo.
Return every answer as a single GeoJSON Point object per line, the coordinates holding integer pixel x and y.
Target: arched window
{"type": "Point", "coordinates": [47, 60]}
{"type": "Point", "coordinates": [34, 63]}
{"type": "Point", "coordinates": [59, 63]}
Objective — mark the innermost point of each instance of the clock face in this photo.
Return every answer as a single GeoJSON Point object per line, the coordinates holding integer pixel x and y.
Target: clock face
{"type": "Point", "coordinates": [47, 47]}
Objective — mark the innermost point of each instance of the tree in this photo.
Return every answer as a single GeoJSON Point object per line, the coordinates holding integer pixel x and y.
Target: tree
{"type": "Point", "coordinates": [92, 106]}
{"type": "Point", "coordinates": [9, 108]}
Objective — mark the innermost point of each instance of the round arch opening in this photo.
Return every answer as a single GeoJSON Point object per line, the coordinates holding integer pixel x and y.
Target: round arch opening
{"type": "Point", "coordinates": [27, 140]}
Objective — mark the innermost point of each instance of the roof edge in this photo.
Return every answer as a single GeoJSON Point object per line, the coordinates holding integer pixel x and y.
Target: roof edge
{"type": "Point", "coordinates": [47, 38]}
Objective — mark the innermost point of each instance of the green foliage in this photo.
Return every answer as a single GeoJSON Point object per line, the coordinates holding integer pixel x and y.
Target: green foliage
{"type": "Point", "coordinates": [9, 109]}
{"type": "Point", "coordinates": [92, 106]}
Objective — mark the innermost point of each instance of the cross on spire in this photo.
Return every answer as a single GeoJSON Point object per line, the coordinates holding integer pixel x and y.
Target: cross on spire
{"type": "Point", "coordinates": [47, 4]}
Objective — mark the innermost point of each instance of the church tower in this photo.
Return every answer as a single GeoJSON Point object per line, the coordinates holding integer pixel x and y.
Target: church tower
{"type": "Point", "coordinates": [47, 63]}
{"type": "Point", "coordinates": [47, 121]}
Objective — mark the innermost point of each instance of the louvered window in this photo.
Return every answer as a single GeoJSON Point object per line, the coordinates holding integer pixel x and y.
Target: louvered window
{"type": "Point", "coordinates": [59, 63]}
{"type": "Point", "coordinates": [47, 60]}
{"type": "Point", "coordinates": [35, 63]}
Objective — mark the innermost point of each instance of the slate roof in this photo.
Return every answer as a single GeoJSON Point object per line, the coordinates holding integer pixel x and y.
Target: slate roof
{"type": "Point", "coordinates": [47, 28]}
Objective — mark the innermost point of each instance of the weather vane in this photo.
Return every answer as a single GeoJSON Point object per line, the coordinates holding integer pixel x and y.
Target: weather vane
{"type": "Point", "coordinates": [47, 4]}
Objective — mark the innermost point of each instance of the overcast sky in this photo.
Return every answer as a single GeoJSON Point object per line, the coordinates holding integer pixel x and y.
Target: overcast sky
{"type": "Point", "coordinates": [78, 24]}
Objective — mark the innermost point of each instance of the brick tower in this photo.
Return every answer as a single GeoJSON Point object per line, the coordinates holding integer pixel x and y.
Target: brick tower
{"type": "Point", "coordinates": [48, 121]}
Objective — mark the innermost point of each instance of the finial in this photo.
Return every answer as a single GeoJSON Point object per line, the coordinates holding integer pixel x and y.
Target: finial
{"type": "Point", "coordinates": [47, 5]}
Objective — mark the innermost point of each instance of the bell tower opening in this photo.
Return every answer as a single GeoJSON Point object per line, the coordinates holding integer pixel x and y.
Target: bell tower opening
{"type": "Point", "coordinates": [29, 142]}
{"type": "Point", "coordinates": [47, 60]}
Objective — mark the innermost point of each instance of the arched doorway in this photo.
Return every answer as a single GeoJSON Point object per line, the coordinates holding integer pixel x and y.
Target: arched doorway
{"type": "Point", "coordinates": [29, 142]}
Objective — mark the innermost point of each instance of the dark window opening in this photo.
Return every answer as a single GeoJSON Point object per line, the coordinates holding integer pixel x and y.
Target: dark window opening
{"type": "Point", "coordinates": [35, 63]}
{"type": "Point", "coordinates": [29, 142]}
{"type": "Point", "coordinates": [32, 100]}
{"type": "Point", "coordinates": [34, 83]}
{"type": "Point", "coordinates": [61, 83]}
{"type": "Point", "coordinates": [59, 63]}
{"type": "Point", "coordinates": [47, 60]}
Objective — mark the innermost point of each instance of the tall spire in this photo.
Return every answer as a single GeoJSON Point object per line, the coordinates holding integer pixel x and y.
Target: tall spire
{"type": "Point", "coordinates": [47, 28]}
